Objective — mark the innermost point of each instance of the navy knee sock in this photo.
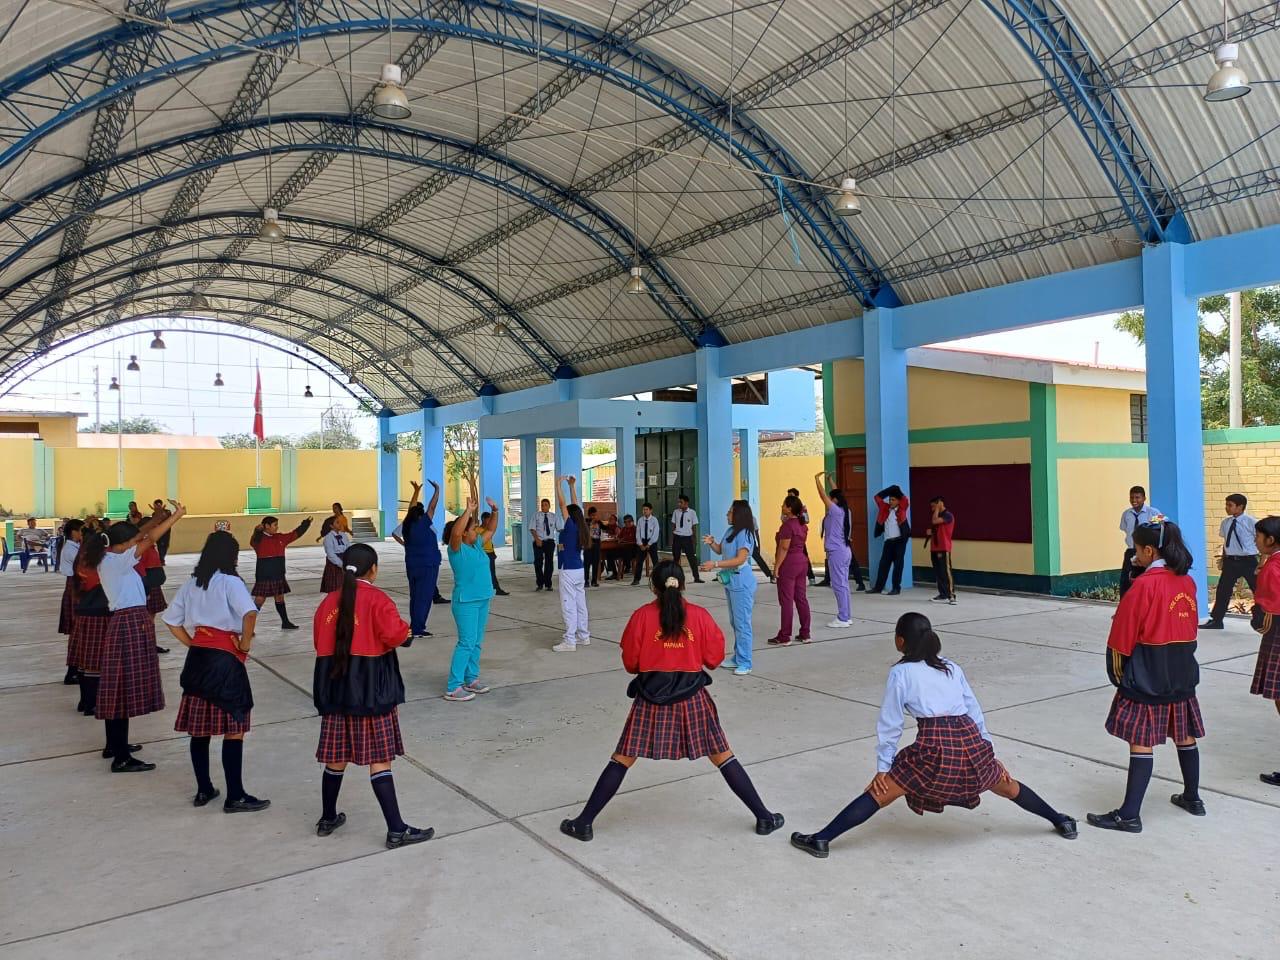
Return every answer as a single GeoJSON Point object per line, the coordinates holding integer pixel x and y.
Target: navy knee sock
{"type": "Point", "coordinates": [1189, 761]}
{"type": "Point", "coordinates": [608, 784]}
{"type": "Point", "coordinates": [384, 788]}
{"type": "Point", "coordinates": [200, 764]}
{"type": "Point", "coordinates": [858, 812]}
{"type": "Point", "coordinates": [736, 776]}
{"type": "Point", "coordinates": [232, 766]}
{"type": "Point", "coordinates": [118, 739]}
{"type": "Point", "coordinates": [1139, 777]}
{"type": "Point", "coordinates": [284, 617]}
{"type": "Point", "coordinates": [1031, 802]}
{"type": "Point", "coordinates": [89, 693]}
{"type": "Point", "coordinates": [330, 784]}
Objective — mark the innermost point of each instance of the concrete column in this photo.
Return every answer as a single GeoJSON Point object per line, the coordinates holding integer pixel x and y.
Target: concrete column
{"type": "Point", "coordinates": [1175, 451]}
{"type": "Point", "coordinates": [388, 476]}
{"type": "Point", "coordinates": [625, 466]}
{"type": "Point", "coordinates": [491, 485]}
{"type": "Point", "coordinates": [433, 463]}
{"type": "Point", "coordinates": [749, 468]}
{"type": "Point", "coordinates": [888, 448]}
{"type": "Point", "coordinates": [715, 445]}
{"type": "Point", "coordinates": [528, 491]}
{"type": "Point", "coordinates": [288, 480]}
{"type": "Point", "coordinates": [568, 455]}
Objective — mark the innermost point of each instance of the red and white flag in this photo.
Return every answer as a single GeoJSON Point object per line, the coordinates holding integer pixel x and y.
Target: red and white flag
{"type": "Point", "coordinates": [257, 410]}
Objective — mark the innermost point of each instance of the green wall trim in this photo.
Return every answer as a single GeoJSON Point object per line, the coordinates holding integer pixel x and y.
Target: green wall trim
{"type": "Point", "coordinates": [171, 475]}
{"type": "Point", "coordinates": [42, 479]}
{"type": "Point", "coordinates": [1045, 539]}
{"type": "Point", "coordinates": [845, 441]}
{"type": "Point", "coordinates": [829, 440]}
{"type": "Point", "coordinates": [1014, 429]}
{"type": "Point", "coordinates": [1102, 451]}
{"type": "Point", "coordinates": [1062, 585]}
{"type": "Point", "coordinates": [288, 480]}
{"type": "Point", "coordinates": [1242, 435]}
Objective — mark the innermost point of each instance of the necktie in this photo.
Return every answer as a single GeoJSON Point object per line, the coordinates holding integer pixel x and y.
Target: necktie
{"type": "Point", "coordinates": [1232, 532]}
{"type": "Point", "coordinates": [680, 525]}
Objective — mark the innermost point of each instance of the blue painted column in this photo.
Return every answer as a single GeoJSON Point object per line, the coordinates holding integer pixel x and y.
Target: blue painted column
{"type": "Point", "coordinates": [388, 476]}
{"type": "Point", "coordinates": [715, 445]}
{"type": "Point", "coordinates": [433, 461]}
{"type": "Point", "coordinates": [625, 471]}
{"type": "Point", "coordinates": [749, 470]}
{"type": "Point", "coordinates": [528, 491]}
{"type": "Point", "coordinates": [1175, 452]}
{"type": "Point", "coordinates": [568, 455]}
{"type": "Point", "coordinates": [888, 448]}
{"type": "Point", "coordinates": [491, 485]}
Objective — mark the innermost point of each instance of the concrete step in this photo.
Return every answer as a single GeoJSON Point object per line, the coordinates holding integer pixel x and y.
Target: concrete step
{"type": "Point", "coordinates": [363, 530]}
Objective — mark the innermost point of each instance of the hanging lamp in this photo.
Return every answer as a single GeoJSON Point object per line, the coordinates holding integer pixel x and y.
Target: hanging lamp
{"type": "Point", "coordinates": [500, 328]}
{"type": "Point", "coordinates": [217, 380]}
{"type": "Point", "coordinates": [157, 342]}
{"type": "Point", "coordinates": [636, 283]}
{"type": "Point", "coordinates": [271, 231]}
{"type": "Point", "coordinates": [115, 384]}
{"type": "Point", "coordinates": [198, 301]}
{"type": "Point", "coordinates": [307, 392]}
{"type": "Point", "coordinates": [1228, 81]}
{"type": "Point", "coordinates": [390, 101]}
{"type": "Point", "coordinates": [133, 363]}
{"type": "Point", "coordinates": [848, 204]}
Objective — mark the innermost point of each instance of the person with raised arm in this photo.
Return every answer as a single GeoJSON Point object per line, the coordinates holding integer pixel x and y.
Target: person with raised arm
{"type": "Point", "coordinates": [575, 540]}
{"type": "Point", "coordinates": [472, 593]}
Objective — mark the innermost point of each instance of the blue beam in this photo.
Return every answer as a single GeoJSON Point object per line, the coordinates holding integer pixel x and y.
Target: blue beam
{"type": "Point", "coordinates": [1238, 261]}
{"type": "Point", "coordinates": [885, 399]}
{"type": "Point", "coordinates": [798, 348]}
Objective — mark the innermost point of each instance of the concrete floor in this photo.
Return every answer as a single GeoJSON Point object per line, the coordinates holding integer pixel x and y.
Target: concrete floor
{"type": "Point", "coordinates": [123, 866]}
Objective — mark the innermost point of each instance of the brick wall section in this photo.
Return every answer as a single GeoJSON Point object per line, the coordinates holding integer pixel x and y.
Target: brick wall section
{"type": "Point", "coordinates": [1249, 468]}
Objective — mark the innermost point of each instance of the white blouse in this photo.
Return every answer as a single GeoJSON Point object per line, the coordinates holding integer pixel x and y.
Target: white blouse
{"type": "Point", "coordinates": [67, 557]}
{"type": "Point", "coordinates": [120, 582]}
{"type": "Point", "coordinates": [223, 605]}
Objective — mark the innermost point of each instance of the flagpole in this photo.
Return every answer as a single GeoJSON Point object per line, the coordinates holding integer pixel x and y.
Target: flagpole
{"type": "Point", "coordinates": [257, 461]}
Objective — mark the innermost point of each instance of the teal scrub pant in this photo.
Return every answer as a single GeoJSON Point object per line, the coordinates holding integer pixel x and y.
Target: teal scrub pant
{"type": "Point", "coordinates": [471, 617]}
{"type": "Point", "coordinates": [741, 603]}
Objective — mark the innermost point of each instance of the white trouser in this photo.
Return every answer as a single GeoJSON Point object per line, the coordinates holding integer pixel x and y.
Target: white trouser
{"type": "Point", "coordinates": [573, 606]}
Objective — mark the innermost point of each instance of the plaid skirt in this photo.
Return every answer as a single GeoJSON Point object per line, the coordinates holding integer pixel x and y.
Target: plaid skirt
{"type": "Point", "coordinates": [84, 649]}
{"type": "Point", "coordinates": [156, 603]}
{"type": "Point", "coordinates": [685, 730]}
{"type": "Point", "coordinates": [270, 588]}
{"type": "Point", "coordinates": [67, 613]}
{"type": "Point", "coordinates": [130, 684]}
{"type": "Point", "coordinates": [359, 740]}
{"type": "Point", "coordinates": [1149, 724]}
{"type": "Point", "coordinates": [331, 579]}
{"type": "Point", "coordinates": [1266, 675]}
{"type": "Point", "coordinates": [200, 718]}
{"type": "Point", "coordinates": [950, 764]}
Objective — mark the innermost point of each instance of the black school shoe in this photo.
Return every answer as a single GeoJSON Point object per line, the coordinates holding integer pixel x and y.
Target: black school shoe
{"type": "Point", "coordinates": [71, 678]}
{"type": "Point", "coordinates": [1271, 778]}
{"type": "Point", "coordinates": [325, 827]}
{"type": "Point", "coordinates": [1066, 828]}
{"type": "Point", "coordinates": [1113, 821]}
{"type": "Point", "coordinates": [246, 804]}
{"type": "Point", "coordinates": [811, 845]}
{"type": "Point", "coordinates": [439, 598]}
{"type": "Point", "coordinates": [1211, 624]}
{"type": "Point", "coordinates": [202, 799]}
{"type": "Point", "coordinates": [107, 754]}
{"type": "Point", "coordinates": [894, 592]}
{"type": "Point", "coordinates": [766, 827]}
{"type": "Point", "coordinates": [288, 625]}
{"type": "Point", "coordinates": [407, 836]}
{"type": "Point", "coordinates": [1193, 807]}
{"type": "Point", "coordinates": [132, 765]}
{"type": "Point", "coordinates": [570, 828]}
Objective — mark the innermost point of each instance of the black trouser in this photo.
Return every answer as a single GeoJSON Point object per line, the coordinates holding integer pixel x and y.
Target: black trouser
{"type": "Point", "coordinates": [893, 555]}
{"type": "Point", "coordinates": [684, 545]}
{"type": "Point", "coordinates": [544, 561]}
{"type": "Point", "coordinates": [1128, 571]}
{"type": "Point", "coordinates": [764, 567]}
{"type": "Point", "coordinates": [651, 551]}
{"type": "Point", "coordinates": [1233, 568]}
{"type": "Point", "coordinates": [855, 568]}
{"type": "Point", "coordinates": [493, 571]}
{"type": "Point", "coordinates": [591, 564]}
{"type": "Point", "coordinates": [942, 573]}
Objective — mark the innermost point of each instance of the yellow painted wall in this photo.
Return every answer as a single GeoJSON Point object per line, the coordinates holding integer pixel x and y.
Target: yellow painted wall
{"type": "Point", "coordinates": [191, 531]}
{"type": "Point", "coordinates": [847, 400]}
{"type": "Point", "coordinates": [17, 475]}
{"type": "Point", "coordinates": [214, 481]}
{"type": "Point", "coordinates": [985, 555]}
{"type": "Point", "coordinates": [939, 398]}
{"type": "Point", "coordinates": [81, 477]}
{"type": "Point", "coordinates": [348, 476]}
{"type": "Point", "coordinates": [54, 431]}
{"type": "Point", "coordinates": [1091, 496]}
{"type": "Point", "coordinates": [776, 474]}
{"type": "Point", "coordinates": [953, 453]}
{"type": "Point", "coordinates": [1093, 415]}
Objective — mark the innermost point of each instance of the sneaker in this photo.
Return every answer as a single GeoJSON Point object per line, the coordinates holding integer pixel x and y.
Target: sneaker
{"type": "Point", "coordinates": [893, 593]}
{"type": "Point", "coordinates": [584, 641]}
{"type": "Point", "coordinates": [805, 639]}
{"type": "Point", "coordinates": [939, 599]}
{"type": "Point", "coordinates": [460, 695]}
{"type": "Point", "coordinates": [838, 624]}
{"type": "Point", "coordinates": [728, 663]}
{"type": "Point", "coordinates": [741, 671]}
{"type": "Point", "coordinates": [780, 641]}
{"type": "Point", "coordinates": [477, 686]}
{"type": "Point", "coordinates": [563, 647]}
{"type": "Point", "coordinates": [951, 600]}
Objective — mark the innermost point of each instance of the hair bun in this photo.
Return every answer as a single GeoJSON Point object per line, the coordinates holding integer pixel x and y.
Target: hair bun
{"type": "Point", "coordinates": [672, 582]}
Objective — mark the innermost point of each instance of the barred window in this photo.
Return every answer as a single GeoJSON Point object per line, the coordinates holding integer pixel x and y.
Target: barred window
{"type": "Point", "coordinates": [1138, 417]}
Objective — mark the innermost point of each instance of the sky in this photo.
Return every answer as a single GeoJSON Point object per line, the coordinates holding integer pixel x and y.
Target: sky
{"type": "Point", "coordinates": [174, 386]}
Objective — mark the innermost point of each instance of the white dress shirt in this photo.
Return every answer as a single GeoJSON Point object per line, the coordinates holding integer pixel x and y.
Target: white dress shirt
{"type": "Point", "coordinates": [684, 521]}
{"type": "Point", "coordinates": [67, 557]}
{"type": "Point", "coordinates": [647, 531]}
{"type": "Point", "coordinates": [335, 544]}
{"type": "Point", "coordinates": [1238, 536]}
{"type": "Point", "coordinates": [223, 606]}
{"type": "Point", "coordinates": [120, 582]}
{"type": "Point", "coordinates": [922, 691]}
{"type": "Point", "coordinates": [546, 524]}
{"type": "Point", "coordinates": [892, 529]}
{"type": "Point", "coordinates": [1131, 519]}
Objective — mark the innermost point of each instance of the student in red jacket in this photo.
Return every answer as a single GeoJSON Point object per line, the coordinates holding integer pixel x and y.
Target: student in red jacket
{"type": "Point", "coordinates": [357, 688]}
{"type": "Point", "coordinates": [1266, 606]}
{"type": "Point", "coordinates": [268, 576]}
{"type": "Point", "coordinates": [1151, 660]}
{"type": "Point", "coordinates": [892, 524]}
{"type": "Point", "coordinates": [669, 645]}
{"type": "Point", "coordinates": [942, 525]}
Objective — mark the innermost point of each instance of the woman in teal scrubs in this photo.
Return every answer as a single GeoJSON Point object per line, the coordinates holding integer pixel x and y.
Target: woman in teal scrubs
{"type": "Point", "coordinates": [734, 571]}
{"type": "Point", "coordinates": [472, 591]}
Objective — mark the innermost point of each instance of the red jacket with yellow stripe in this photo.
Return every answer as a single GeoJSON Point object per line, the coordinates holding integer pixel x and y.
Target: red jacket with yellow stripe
{"type": "Point", "coordinates": [1151, 651]}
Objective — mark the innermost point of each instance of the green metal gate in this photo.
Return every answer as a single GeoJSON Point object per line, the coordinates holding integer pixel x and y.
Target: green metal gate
{"type": "Point", "coordinates": [670, 462]}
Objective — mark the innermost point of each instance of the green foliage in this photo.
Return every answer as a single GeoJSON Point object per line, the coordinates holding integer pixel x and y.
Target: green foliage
{"type": "Point", "coordinates": [337, 433]}
{"type": "Point", "coordinates": [128, 425]}
{"type": "Point", "coordinates": [1109, 592]}
{"type": "Point", "coordinates": [1259, 361]}
{"type": "Point", "coordinates": [598, 446]}
{"type": "Point", "coordinates": [244, 441]}
{"type": "Point", "coordinates": [462, 451]}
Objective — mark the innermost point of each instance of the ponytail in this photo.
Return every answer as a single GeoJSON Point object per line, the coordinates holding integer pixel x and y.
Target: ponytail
{"type": "Point", "coordinates": [1166, 537]}
{"type": "Point", "coordinates": [668, 584]}
{"type": "Point", "coordinates": [838, 498]}
{"type": "Point", "coordinates": [358, 560]}
{"type": "Point", "coordinates": [919, 642]}
{"type": "Point", "coordinates": [92, 548]}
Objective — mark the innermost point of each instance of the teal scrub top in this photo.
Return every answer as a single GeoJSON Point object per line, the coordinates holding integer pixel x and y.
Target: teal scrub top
{"type": "Point", "coordinates": [743, 578]}
{"type": "Point", "coordinates": [471, 579]}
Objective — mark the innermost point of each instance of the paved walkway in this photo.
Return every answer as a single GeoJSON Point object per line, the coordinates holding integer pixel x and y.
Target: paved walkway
{"type": "Point", "coordinates": [123, 866]}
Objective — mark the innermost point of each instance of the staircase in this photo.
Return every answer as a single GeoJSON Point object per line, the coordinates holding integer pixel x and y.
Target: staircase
{"type": "Point", "coordinates": [363, 531]}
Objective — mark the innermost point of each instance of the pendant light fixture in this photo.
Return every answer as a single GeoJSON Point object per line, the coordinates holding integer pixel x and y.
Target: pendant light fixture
{"type": "Point", "coordinates": [198, 301]}
{"type": "Point", "coordinates": [847, 203]}
{"type": "Point", "coordinates": [133, 363]}
{"type": "Point", "coordinates": [217, 380]}
{"type": "Point", "coordinates": [635, 284]}
{"type": "Point", "coordinates": [307, 392]}
{"type": "Point", "coordinates": [115, 384]}
{"type": "Point", "coordinates": [1228, 81]}
{"type": "Point", "coordinates": [390, 101]}
{"type": "Point", "coordinates": [271, 231]}
{"type": "Point", "coordinates": [408, 362]}
{"type": "Point", "coordinates": [157, 342]}
{"type": "Point", "coordinates": [500, 328]}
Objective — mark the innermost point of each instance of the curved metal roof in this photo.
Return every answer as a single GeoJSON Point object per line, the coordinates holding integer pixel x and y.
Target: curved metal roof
{"type": "Point", "coordinates": [993, 140]}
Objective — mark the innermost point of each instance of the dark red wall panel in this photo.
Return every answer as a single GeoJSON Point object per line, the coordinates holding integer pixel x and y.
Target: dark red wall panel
{"type": "Point", "coordinates": [990, 501]}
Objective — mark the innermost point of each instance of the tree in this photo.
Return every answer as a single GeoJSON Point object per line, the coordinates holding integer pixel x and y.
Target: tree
{"type": "Point", "coordinates": [128, 425]}
{"type": "Point", "coordinates": [337, 432]}
{"type": "Point", "coordinates": [1259, 357]}
{"type": "Point", "coordinates": [245, 441]}
{"type": "Point", "coordinates": [598, 446]}
{"type": "Point", "coordinates": [462, 451]}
